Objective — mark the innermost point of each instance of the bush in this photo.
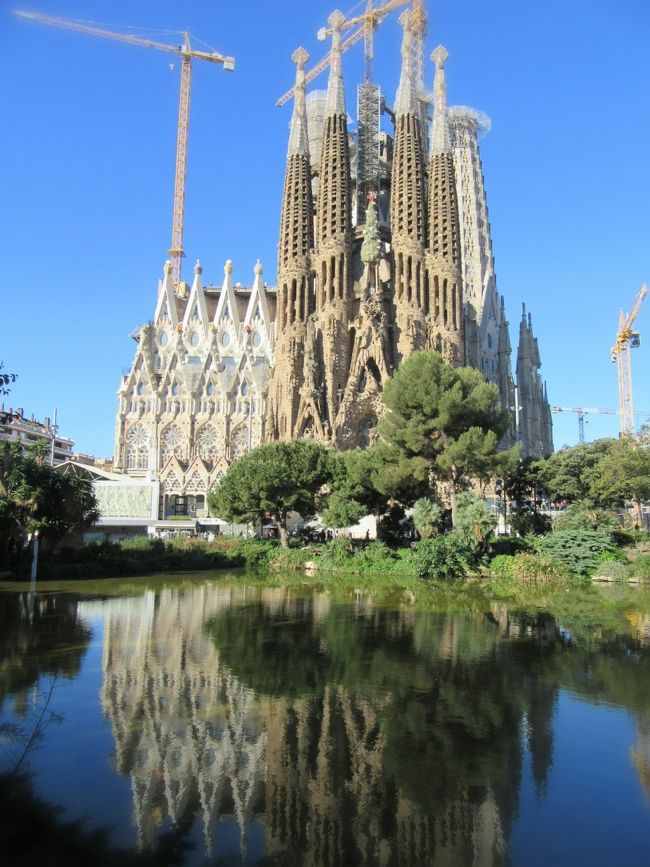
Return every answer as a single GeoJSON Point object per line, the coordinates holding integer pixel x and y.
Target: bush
{"type": "Point", "coordinates": [427, 516]}
{"type": "Point", "coordinates": [524, 521]}
{"type": "Point", "coordinates": [502, 567]}
{"type": "Point", "coordinates": [290, 559]}
{"type": "Point", "coordinates": [444, 557]}
{"type": "Point", "coordinates": [474, 521]}
{"type": "Point", "coordinates": [374, 557]}
{"type": "Point", "coordinates": [641, 568]}
{"type": "Point", "coordinates": [613, 570]}
{"type": "Point", "coordinates": [537, 570]}
{"type": "Point", "coordinates": [578, 550]}
{"type": "Point", "coordinates": [338, 552]}
{"type": "Point", "coordinates": [508, 545]}
{"type": "Point", "coordinates": [580, 517]}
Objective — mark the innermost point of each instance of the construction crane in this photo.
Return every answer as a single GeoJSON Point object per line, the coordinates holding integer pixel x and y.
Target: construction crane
{"type": "Point", "coordinates": [626, 339]}
{"type": "Point", "coordinates": [187, 54]}
{"type": "Point", "coordinates": [586, 410]}
{"type": "Point", "coordinates": [369, 20]}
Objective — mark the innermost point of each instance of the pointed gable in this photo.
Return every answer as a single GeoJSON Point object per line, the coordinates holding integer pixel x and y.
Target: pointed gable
{"type": "Point", "coordinates": [257, 319]}
{"type": "Point", "coordinates": [196, 312]}
{"type": "Point", "coordinates": [166, 306]}
{"type": "Point", "coordinates": [226, 314]}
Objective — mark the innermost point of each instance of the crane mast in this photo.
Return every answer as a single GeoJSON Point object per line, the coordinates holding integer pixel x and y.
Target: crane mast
{"type": "Point", "coordinates": [187, 54]}
{"type": "Point", "coordinates": [627, 339]}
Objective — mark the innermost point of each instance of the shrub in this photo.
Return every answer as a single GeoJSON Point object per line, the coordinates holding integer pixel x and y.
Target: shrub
{"type": "Point", "coordinates": [524, 521]}
{"type": "Point", "coordinates": [474, 521]}
{"type": "Point", "coordinates": [578, 550]}
{"type": "Point", "coordinates": [444, 557]}
{"type": "Point", "coordinates": [537, 569]}
{"type": "Point", "coordinates": [427, 515]}
{"type": "Point", "coordinates": [338, 552]}
{"type": "Point", "coordinates": [614, 570]}
{"type": "Point", "coordinates": [290, 559]}
{"type": "Point", "coordinates": [580, 517]}
{"type": "Point", "coordinates": [374, 557]}
{"type": "Point", "coordinates": [142, 543]}
{"type": "Point", "coordinates": [641, 568]}
{"type": "Point", "coordinates": [502, 567]}
{"type": "Point", "coordinates": [508, 545]}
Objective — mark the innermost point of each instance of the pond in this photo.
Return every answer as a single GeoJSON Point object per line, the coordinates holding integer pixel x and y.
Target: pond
{"type": "Point", "coordinates": [218, 721]}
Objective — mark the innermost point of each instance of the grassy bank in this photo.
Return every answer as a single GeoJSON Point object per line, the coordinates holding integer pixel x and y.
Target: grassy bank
{"type": "Point", "coordinates": [556, 560]}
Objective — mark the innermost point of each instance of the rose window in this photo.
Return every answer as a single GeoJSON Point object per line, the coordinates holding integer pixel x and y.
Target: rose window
{"type": "Point", "coordinates": [137, 448]}
{"type": "Point", "coordinates": [209, 443]}
{"type": "Point", "coordinates": [239, 443]}
{"type": "Point", "coordinates": [172, 443]}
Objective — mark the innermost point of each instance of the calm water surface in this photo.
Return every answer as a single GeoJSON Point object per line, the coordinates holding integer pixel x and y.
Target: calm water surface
{"type": "Point", "coordinates": [203, 721]}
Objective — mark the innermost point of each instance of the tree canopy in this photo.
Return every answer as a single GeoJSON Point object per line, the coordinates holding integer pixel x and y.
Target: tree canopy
{"type": "Point", "coordinates": [35, 497]}
{"type": "Point", "coordinates": [445, 422]}
{"type": "Point", "coordinates": [275, 479]}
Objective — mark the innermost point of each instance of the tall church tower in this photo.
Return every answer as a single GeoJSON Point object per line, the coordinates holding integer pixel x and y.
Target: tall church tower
{"type": "Point", "coordinates": [295, 293]}
{"type": "Point", "coordinates": [333, 254]}
{"type": "Point", "coordinates": [408, 208]}
{"type": "Point", "coordinates": [535, 427]}
{"type": "Point", "coordinates": [444, 275]}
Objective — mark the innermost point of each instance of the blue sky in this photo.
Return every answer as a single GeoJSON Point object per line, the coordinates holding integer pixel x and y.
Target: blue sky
{"type": "Point", "coordinates": [89, 144]}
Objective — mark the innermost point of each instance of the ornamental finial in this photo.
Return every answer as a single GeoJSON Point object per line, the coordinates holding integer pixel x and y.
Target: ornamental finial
{"type": "Point", "coordinates": [227, 268]}
{"type": "Point", "coordinates": [440, 139]}
{"type": "Point", "coordinates": [198, 268]}
{"type": "Point", "coordinates": [258, 267]}
{"type": "Point", "coordinates": [440, 56]}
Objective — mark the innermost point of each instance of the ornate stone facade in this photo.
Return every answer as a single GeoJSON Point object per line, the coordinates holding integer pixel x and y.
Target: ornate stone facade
{"type": "Point", "coordinates": [221, 369]}
{"type": "Point", "coordinates": [193, 399]}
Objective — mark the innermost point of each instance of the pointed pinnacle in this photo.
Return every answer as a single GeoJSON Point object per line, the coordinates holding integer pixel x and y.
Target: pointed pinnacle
{"type": "Point", "coordinates": [300, 57]}
{"type": "Point", "coordinates": [440, 55]}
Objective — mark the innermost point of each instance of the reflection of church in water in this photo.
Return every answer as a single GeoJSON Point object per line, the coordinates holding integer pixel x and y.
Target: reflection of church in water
{"type": "Point", "coordinates": [346, 773]}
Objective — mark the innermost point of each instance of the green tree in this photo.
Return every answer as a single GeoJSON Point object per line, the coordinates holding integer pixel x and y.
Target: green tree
{"type": "Point", "coordinates": [35, 496]}
{"type": "Point", "coordinates": [623, 474]}
{"type": "Point", "coordinates": [474, 521]}
{"type": "Point", "coordinates": [276, 479]}
{"type": "Point", "coordinates": [571, 473]}
{"type": "Point", "coordinates": [445, 422]}
{"type": "Point", "coordinates": [427, 515]}
{"type": "Point", "coordinates": [367, 481]}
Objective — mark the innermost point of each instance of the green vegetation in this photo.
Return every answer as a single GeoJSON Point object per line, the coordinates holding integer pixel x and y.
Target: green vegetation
{"type": "Point", "coordinates": [445, 424]}
{"type": "Point", "coordinates": [275, 479]}
{"type": "Point", "coordinates": [36, 498]}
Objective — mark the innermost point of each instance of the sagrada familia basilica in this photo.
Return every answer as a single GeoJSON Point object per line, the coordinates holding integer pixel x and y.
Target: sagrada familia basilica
{"type": "Point", "coordinates": [384, 249]}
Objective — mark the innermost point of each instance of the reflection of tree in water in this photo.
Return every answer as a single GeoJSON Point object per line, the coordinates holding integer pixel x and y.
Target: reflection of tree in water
{"type": "Point", "coordinates": [385, 737]}
{"type": "Point", "coordinates": [41, 635]}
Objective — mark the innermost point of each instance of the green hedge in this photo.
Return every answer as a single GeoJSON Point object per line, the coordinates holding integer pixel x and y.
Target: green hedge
{"type": "Point", "coordinates": [578, 550]}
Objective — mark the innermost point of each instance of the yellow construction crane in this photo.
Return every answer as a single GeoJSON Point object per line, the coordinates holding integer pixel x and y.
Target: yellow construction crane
{"type": "Point", "coordinates": [626, 339]}
{"type": "Point", "coordinates": [369, 20]}
{"type": "Point", "coordinates": [187, 54]}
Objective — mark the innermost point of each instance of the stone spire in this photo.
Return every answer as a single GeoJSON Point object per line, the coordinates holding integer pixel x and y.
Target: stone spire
{"type": "Point", "coordinates": [298, 141]}
{"type": "Point", "coordinates": [333, 240]}
{"type": "Point", "coordinates": [335, 103]}
{"type": "Point", "coordinates": [406, 101]}
{"type": "Point", "coordinates": [295, 297]}
{"type": "Point", "coordinates": [408, 209]}
{"type": "Point", "coordinates": [440, 139]}
{"type": "Point", "coordinates": [445, 282]}
{"type": "Point", "coordinates": [334, 221]}
{"type": "Point", "coordinates": [535, 428]}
